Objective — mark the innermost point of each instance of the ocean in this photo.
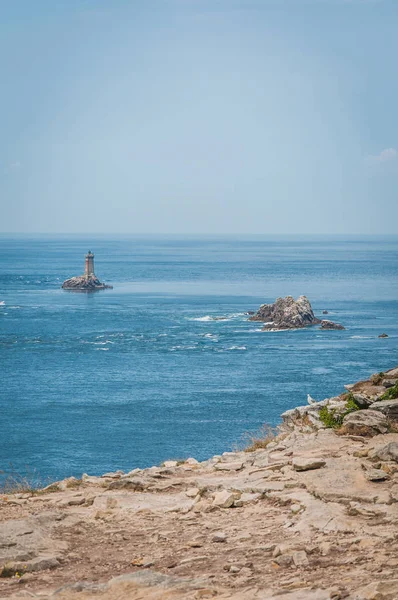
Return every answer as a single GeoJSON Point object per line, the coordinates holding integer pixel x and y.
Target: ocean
{"type": "Point", "coordinates": [146, 372]}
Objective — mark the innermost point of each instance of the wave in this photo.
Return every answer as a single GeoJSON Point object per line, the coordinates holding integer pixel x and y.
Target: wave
{"type": "Point", "coordinates": [237, 348]}
{"type": "Point", "coordinates": [219, 318]}
{"type": "Point", "coordinates": [206, 318]}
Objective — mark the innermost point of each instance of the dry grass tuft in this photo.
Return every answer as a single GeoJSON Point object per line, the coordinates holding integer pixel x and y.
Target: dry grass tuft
{"type": "Point", "coordinates": [258, 440]}
{"type": "Point", "coordinates": [15, 483]}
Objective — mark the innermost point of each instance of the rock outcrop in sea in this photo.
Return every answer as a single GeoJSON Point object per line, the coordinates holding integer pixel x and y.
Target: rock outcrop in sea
{"type": "Point", "coordinates": [288, 313]}
{"type": "Point", "coordinates": [307, 513]}
{"type": "Point", "coordinates": [325, 324]}
{"type": "Point", "coordinates": [88, 282]}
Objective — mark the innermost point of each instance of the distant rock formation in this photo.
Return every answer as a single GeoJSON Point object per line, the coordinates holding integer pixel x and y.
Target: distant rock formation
{"type": "Point", "coordinates": [88, 282]}
{"type": "Point", "coordinates": [383, 335]}
{"type": "Point", "coordinates": [84, 283]}
{"type": "Point", "coordinates": [325, 324]}
{"type": "Point", "coordinates": [286, 313]}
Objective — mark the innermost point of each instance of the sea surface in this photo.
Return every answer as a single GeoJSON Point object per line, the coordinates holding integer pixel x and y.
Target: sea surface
{"type": "Point", "coordinates": [145, 372]}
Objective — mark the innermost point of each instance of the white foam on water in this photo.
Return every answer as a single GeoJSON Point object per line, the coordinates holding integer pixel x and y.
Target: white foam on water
{"type": "Point", "coordinates": [206, 318]}
{"type": "Point", "coordinates": [104, 349]}
{"type": "Point", "coordinates": [237, 348]}
{"type": "Point", "coordinates": [320, 370]}
{"type": "Point", "coordinates": [361, 337]}
{"type": "Point", "coordinates": [2, 303]}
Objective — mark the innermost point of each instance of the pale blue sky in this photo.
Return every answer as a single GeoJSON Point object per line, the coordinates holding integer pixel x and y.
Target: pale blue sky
{"type": "Point", "coordinates": [199, 116]}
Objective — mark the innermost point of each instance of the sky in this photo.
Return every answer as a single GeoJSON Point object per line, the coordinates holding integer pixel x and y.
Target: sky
{"type": "Point", "coordinates": [199, 116]}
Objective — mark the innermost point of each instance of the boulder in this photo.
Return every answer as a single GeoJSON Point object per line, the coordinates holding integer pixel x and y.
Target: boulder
{"type": "Point", "coordinates": [325, 324]}
{"type": "Point", "coordinates": [387, 407]}
{"type": "Point", "coordinates": [383, 335]}
{"type": "Point", "coordinates": [365, 422]}
{"type": "Point", "coordinates": [388, 452]}
{"type": "Point", "coordinates": [286, 313]}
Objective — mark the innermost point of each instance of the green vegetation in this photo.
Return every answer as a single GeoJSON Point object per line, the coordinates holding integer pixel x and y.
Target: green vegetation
{"type": "Point", "coordinates": [391, 393]}
{"type": "Point", "coordinates": [332, 419]}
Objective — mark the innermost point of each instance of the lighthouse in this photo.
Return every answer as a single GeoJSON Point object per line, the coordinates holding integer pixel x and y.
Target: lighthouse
{"type": "Point", "coordinates": [87, 282]}
{"type": "Point", "coordinates": [89, 270]}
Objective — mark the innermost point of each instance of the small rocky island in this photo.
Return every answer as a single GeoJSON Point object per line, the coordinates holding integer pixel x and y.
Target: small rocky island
{"type": "Point", "coordinates": [88, 282]}
{"type": "Point", "coordinates": [288, 313]}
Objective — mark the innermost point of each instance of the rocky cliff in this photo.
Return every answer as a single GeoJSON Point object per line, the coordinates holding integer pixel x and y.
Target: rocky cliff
{"type": "Point", "coordinates": [309, 514]}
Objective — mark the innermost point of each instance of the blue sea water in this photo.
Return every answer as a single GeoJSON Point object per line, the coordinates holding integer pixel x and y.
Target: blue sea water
{"type": "Point", "coordinates": [135, 375]}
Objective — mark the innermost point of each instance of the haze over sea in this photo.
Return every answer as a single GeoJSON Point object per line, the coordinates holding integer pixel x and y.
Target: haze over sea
{"type": "Point", "coordinates": [132, 376]}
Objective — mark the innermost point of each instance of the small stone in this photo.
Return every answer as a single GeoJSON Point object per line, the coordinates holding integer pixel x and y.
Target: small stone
{"type": "Point", "coordinates": [193, 559]}
{"type": "Point", "coordinates": [192, 492]}
{"type": "Point", "coordinates": [295, 508]}
{"type": "Point", "coordinates": [307, 464]}
{"type": "Point", "coordinates": [219, 537]}
{"type": "Point", "coordinates": [234, 569]}
{"type": "Point", "coordinates": [225, 499]}
{"type": "Point", "coordinates": [191, 461]}
{"type": "Point", "coordinates": [195, 543]}
{"type": "Point", "coordinates": [76, 501]}
{"type": "Point", "coordinates": [231, 466]}
{"type": "Point", "coordinates": [300, 558]}
{"type": "Point", "coordinates": [247, 498]}
{"type": "Point", "coordinates": [376, 475]}
{"type": "Point", "coordinates": [285, 560]}
{"type": "Point", "coordinates": [169, 464]}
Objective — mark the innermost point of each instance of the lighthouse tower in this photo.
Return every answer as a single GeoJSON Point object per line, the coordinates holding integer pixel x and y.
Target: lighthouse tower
{"type": "Point", "coordinates": [89, 270]}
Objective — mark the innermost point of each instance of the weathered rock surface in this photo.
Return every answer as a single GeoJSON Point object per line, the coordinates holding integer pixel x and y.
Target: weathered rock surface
{"type": "Point", "coordinates": [313, 516]}
{"type": "Point", "coordinates": [387, 407]}
{"type": "Point", "coordinates": [365, 422]}
{"type": "Point", "coordinates": [286, 313]}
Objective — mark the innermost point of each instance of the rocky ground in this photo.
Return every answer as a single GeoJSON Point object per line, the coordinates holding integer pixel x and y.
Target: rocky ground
{"type": "Point", "coordinates": [312, 516]}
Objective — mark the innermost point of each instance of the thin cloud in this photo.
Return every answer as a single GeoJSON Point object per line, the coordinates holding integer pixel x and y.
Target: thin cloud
{"type": "Point", "coordinates": [387, 155]}
{"type": "Point", "coordinates": [13, 166]}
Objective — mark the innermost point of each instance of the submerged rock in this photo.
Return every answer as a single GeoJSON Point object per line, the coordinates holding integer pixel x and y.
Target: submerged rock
{"type": "Point", "coordinates": [286, 313]}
